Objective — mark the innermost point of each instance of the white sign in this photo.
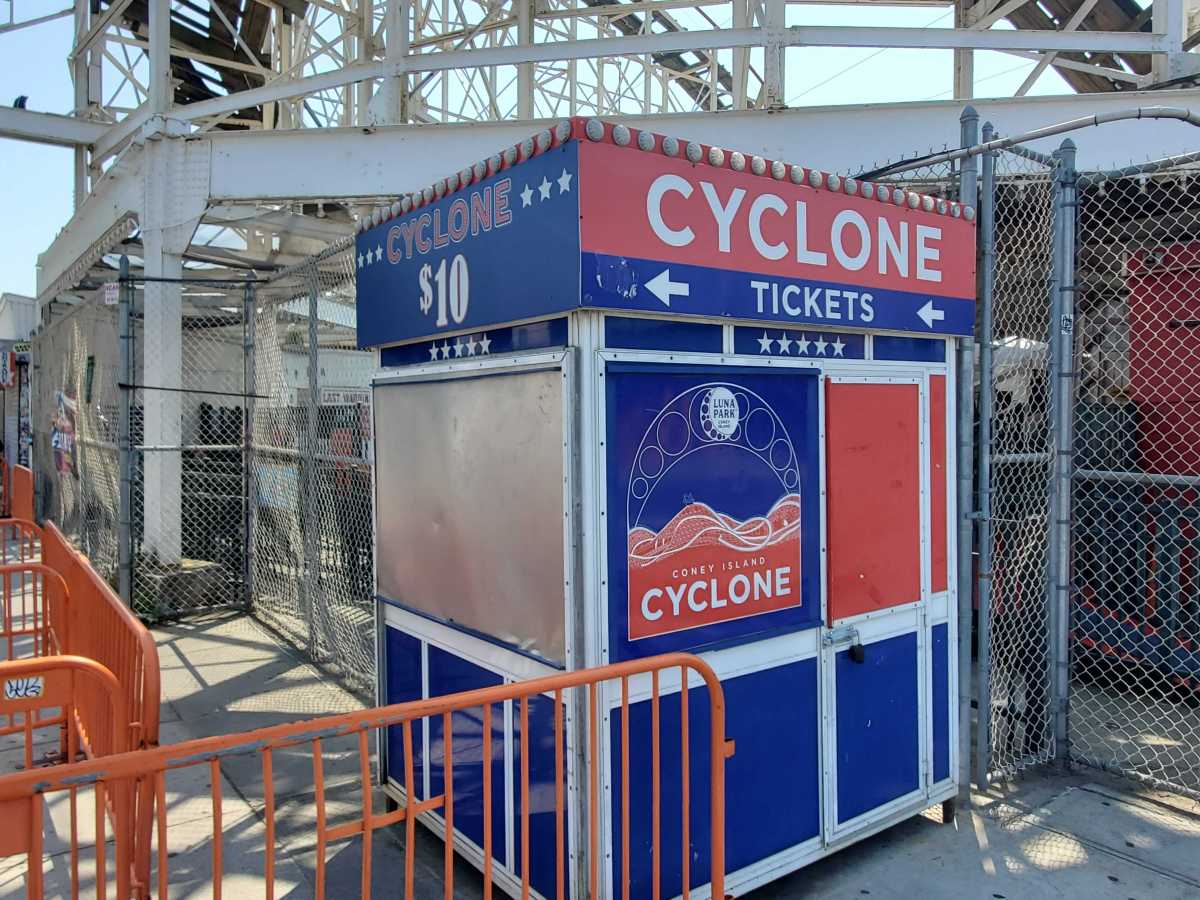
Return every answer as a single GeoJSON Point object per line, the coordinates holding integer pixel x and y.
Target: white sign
{"type": "Point", "coordinates": [112, 293]}
{"type": "Point", "coordinates": [340, 397]}
{"type": "Point", "coordinates": [24, 688]}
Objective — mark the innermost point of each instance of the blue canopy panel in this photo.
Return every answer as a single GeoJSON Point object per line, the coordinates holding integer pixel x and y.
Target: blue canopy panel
{"type": "Point", "coordinates": [598, 216]}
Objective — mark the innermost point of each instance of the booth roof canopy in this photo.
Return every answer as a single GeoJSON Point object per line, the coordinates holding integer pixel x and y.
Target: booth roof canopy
{"type": "Point", "coordinates": [635, 140]}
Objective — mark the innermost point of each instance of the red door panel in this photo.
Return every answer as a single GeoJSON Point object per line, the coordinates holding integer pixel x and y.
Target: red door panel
{"type": "Point", "coordinates": [872, 446]}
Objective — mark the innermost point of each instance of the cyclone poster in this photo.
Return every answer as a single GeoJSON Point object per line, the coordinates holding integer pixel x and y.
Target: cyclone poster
{"type": "Point", "coordinates": [712, 498]}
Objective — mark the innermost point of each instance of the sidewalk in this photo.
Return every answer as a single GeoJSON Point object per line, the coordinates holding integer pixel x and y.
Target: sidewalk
{"type": "Point", "coordinates": [1078, 836]}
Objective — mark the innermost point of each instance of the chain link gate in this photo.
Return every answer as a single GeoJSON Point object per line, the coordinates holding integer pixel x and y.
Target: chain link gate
{"type": "Point", "coordinates": [186, 391]}
{"type": "Point", "coordinates": [1013, 464]}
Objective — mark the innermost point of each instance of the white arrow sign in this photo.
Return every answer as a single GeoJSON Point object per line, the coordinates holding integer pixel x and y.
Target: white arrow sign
{"type": "Point", "coordinates": [662, 287]}
{"type": "Point", "coordinates": [930, 314]}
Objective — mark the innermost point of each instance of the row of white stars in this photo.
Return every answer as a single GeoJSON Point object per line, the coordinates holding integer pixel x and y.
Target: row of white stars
{"type": "Point", "coordinates": [543, 189]}
{"type": "Point", "coordinates": [460, 348]}
{"type": "Point", "coordinates": [802, 345]}
{"type": "Point", "coordinates": [377, 253]}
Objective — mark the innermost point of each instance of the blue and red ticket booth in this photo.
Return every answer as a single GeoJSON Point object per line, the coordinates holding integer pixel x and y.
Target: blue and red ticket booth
{"type": "Point", "coordinates": [640, 395]}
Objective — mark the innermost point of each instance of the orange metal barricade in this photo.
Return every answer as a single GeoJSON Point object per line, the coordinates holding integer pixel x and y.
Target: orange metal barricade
{"type": "Point", "coordinates": [63, 686]}
{"type": "Point", "coordinates": [20, 489]}
{"type": "Point", "coordinates": [46, 692]}
{"type": "Point", "coordinates": [123, 773]}
{"type": "Point", "coordinates": [20, 541]}
{"type": "Point", "coordinates": [34, 620]}
{"type": "Point", "coordinates": [102, 628]}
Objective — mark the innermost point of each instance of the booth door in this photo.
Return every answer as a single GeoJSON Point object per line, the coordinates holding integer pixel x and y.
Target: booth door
{"type": "Point", "coordinates": [876, 638]}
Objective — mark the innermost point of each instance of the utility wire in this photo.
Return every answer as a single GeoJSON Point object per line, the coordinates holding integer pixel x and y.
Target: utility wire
{"type": "Point", "coordinates": [855, 65]}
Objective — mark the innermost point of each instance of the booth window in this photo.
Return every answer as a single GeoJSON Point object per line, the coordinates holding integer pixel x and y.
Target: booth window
{"type": "Point", "coordinates": [469, 511]}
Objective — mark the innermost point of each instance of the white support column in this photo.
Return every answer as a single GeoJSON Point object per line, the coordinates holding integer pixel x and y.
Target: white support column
{"type": "Point", "coordinates": [741, 56]}
{"type": "Point", "coordinates": [1170, 19]}
{"type": "Point", "coordinates": [964, 60]}
{"type": "Point", "coordinates": [176, 194]}
{"type": "Point", "coordinates": [776, 79]}
{"type": "Point", "coordinates": [525, 12]}
{"type": "Point", "coordinates": [79, 74]}
{"type": "Point", "coordinates": [160, 87]}
{"type": "Point", "coordinates": [366, 53]}
{"type": "Point", "coordinates": [390, 104]}
{"type": "Point", "coordinates": [162, 375]}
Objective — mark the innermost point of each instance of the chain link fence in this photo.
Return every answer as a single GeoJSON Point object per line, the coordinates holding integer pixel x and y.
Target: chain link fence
{"type": "Point", "coordinates": [1088, 471]}
{"type": "Point", "coordinates": [249, 459]}
{"type": "Point", "coordinates": [312, 520]}
{"type": "Point", "coordinates": [1135, 665]}
{"type": "Point", "coordinates": [1087, 464]}
{"type": "Point", "coordinates": [74, 428]}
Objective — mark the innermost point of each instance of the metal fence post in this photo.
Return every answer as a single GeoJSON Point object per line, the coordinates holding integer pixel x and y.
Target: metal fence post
{"type": "Point", "coordinates": [966, 459]}
{"type": "Point", "coordinates": [987, 278]}
{"type": "Point", "coordinates": [125, 384]}
{"type": "Point", "coordinates": [1062, 400]}
{"type": "Point", "coordinates": [249, 486]}
{"type": "Point", "coordinates": [309, 512]}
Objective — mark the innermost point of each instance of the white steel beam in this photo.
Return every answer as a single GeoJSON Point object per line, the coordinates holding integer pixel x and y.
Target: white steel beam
{"type": "Point", "coordinates": [1089, 68]}
{"type": "Point", "coordinates": [807, 35]}
{"type": "Point", "coordinates": [321, 164]}
{"type": "Point", "coordinates": [102, 220]}
{"type": "Point", "coordinates": [49, 128]}
{"type": "Point", "coordinates": [29, 23]}
{"type": "Point", "coordinates": [100, 24]}
{"type": "Point", "coordinates": [1047, 58]}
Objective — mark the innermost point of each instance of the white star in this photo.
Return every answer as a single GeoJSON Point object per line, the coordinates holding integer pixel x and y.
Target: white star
{"type": "Point", "coordinates": [458, 347]}
{"type": "Point", "coordinates": [360, 262]}
{"type": "Point", "coordinates": [838, 346]}
{"type": "Point", "coordinates": [821, 344]}
{"type": "Point", "coordinates": [544, 188]}
{"type": "Point", "coordinates": [471, 345]}
{"type": "Point", "coordinates": [764, 343]}
{"type": "Point", "coordinates": [802, 344]}
{"type": "Point", "coordinates": [433, 350]}
{"type": "Point", "coordinates": [784, 342]}
{"type": "Point", "coordinates": [484, 344]}
{"type": "Point", "coordinates": [527, 196]}
{"type": "Point", "coordinates": [379, 253]}
{"type": "Point", "coordinates": [564, 182]}
{"type": "Point", "coordinates": [446, 350]}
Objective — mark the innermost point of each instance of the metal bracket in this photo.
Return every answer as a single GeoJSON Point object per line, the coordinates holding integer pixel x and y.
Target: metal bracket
{"type": "Point", "coordinates": [843, 634]}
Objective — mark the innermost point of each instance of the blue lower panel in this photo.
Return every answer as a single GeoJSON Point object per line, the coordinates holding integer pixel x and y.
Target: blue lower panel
{"type": "Point", "coordinates": [404, 685]}
{"type": "Point", "coordinates": [449, 674]}
{"type": "Point", "coordinates": [941, 702]}
{"type": "Point", "coordinates": [772, 779]}
{"type": "Point", "coordinates": [543, 835]}
{"type": "Point", "coordinates": [878, 749]}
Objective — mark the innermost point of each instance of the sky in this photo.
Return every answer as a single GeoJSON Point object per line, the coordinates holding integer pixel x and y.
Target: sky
{"type": "Point", "coordinates": [36, 182]}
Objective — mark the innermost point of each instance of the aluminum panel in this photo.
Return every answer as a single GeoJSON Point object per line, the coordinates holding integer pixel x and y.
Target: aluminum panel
{"type": "Point", "coordinates": [469, 509]}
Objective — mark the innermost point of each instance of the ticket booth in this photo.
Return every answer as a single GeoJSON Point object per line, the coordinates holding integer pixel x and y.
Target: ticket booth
{"type": "Point", "coordinates": [639, 395]}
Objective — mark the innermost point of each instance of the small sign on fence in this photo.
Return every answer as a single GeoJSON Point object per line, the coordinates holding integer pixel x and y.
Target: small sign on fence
{"type": "Point", "coordinates": [112, 293]}
{"type": "Point", "coordinates": [24, 688]}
